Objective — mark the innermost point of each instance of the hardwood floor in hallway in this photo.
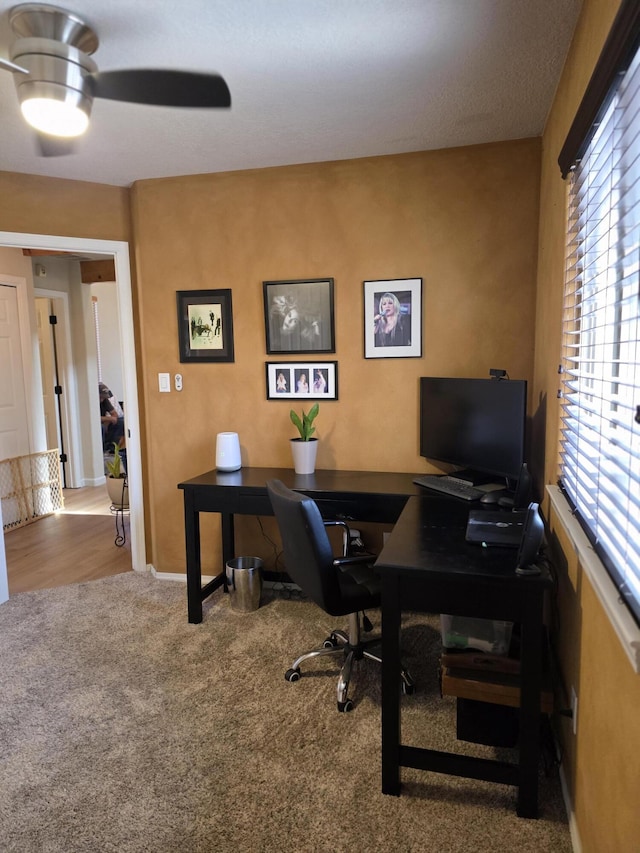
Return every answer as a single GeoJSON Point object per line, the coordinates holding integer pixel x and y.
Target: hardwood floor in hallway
{"type": "Point", "coordinates": [76, 544]}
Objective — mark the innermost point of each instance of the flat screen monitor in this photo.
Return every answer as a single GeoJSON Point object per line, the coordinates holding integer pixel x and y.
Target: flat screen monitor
{"type": "Point", "coordinates": [477, 424]}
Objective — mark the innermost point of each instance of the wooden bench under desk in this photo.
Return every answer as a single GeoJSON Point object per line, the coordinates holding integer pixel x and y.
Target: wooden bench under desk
{"type": "Point", "coordinates": [488, 685]}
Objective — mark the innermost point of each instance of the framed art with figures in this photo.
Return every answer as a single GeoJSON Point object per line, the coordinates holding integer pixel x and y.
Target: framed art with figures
{"type": "Point", "coordinates": [205, 325]}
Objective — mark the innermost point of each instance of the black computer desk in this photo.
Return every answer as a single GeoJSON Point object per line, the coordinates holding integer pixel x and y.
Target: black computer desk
{"type": "Point", "coordinates": [427, 566]}
{"type": "Point", "coordinates": [349, 495]}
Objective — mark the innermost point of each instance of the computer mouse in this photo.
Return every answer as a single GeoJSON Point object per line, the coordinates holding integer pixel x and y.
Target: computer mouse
{"type": "Point", "coordinates": [491, 497]}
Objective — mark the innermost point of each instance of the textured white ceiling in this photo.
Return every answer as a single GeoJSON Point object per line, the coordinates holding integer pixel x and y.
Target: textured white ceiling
{"type": "Point", "coordinates": [310, 80]}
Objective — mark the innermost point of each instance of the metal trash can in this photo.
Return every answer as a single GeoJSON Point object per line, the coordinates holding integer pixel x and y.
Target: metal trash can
{"type": "Point", "coordinates": [244, 582]}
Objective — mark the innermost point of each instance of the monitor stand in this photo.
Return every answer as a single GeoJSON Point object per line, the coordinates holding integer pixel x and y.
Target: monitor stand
{"type": "Point", "coordinates": [471, 477]}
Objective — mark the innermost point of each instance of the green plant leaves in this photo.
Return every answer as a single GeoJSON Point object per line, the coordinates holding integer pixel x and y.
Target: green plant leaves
{"type": "Point", "coordinates": [304, 426]}
{"type": "Point", "coordinates": [115, 468]}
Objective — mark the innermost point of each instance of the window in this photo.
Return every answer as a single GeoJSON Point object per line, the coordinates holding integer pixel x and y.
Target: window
{"type": "Point", "coordinates": [600, 440]}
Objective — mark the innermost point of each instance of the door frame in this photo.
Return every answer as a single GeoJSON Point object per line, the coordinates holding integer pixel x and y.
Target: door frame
{"type": "Point", "coordinates": [120, 252]}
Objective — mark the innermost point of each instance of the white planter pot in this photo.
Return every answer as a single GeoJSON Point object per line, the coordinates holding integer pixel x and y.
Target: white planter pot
{"type": "Point", "coordinates": [304, 455]}
{"type": "Point", "coordinates": [118, 492]}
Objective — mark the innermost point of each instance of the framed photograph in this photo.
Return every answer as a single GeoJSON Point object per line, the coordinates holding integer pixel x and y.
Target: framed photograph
{"type": "Point", "coordinates": [298, 316]}
{"type": "Point", "coordinates": [302, 380]}
{"type": "Point", "coordinates": [393, 318]}
{"type": "Point", "coordinates": [205, 325]}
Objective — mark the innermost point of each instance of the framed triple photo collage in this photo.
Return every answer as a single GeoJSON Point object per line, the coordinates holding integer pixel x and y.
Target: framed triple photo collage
{"type": "Point", "coordinates": [302, 380]}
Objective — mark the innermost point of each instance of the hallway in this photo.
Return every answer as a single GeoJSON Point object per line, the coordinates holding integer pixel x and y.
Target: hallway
{"type": "Point", "coordinates": [74, 545]}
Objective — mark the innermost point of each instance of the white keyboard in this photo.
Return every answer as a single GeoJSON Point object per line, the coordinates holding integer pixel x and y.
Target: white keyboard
{"type": "Point", "coordinates": [449, 486]}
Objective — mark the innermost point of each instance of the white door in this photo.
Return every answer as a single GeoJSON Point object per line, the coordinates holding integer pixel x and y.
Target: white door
{"type": "Point", "coordinates": [14, 424]}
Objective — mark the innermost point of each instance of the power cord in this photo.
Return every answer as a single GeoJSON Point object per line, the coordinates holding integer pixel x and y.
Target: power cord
{"type": "Point", "coordinates": [279, 588]}
{"type": "Point", "coordinates": [276, 553]}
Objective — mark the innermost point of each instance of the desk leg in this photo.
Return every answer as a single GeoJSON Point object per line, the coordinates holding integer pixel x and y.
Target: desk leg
{"type": "Point", "coordinates": [194, 566]}
{"type": "Point", "coordinates": [228, 542]}
{"type": "Point", "coordinates": [531, 655]}
{"type": "Point", "coordinates": [390, 684]}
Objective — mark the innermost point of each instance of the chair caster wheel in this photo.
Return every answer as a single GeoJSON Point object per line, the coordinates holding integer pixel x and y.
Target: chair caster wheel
{"type": "Point", "coordinates": [330, 642]}
{"type": "Point", "coordinates": [292, 675]}
{"type": "Point", "coordinates": [345, 707]}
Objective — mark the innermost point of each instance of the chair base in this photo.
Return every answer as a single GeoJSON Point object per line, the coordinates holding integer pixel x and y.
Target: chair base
{"type": "Point", "coordinates": [353, 648]}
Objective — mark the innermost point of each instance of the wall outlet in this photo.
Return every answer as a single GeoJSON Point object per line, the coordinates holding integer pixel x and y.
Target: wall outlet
{"type": "Point", "coordinates": [574, 710]}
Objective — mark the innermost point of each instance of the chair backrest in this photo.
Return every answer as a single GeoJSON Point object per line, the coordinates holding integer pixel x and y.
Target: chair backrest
{"type": "Point", "coordinates": [308, 552]}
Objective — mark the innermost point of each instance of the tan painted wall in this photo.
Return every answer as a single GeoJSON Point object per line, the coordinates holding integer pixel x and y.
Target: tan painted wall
{"type": "Point", "coordinates": [13, 262]}
{"type": "Point", "coordinates": [602, 762]}
{"type": "Point", "coordinates": [464, 220]}
{"type": "Point", "coordinates": [36, 205]}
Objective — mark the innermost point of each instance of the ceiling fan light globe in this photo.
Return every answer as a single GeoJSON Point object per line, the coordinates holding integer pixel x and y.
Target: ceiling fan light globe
{"type": "Point", "coordinates": [55, 117]}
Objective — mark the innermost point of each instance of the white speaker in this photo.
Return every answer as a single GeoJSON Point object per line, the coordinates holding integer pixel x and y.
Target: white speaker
{"type": "Point", "coordinates": [228, 451]}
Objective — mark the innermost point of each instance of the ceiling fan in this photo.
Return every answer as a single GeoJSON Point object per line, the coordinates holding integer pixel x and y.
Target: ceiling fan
{"type": "Point", "coordinates": [56, 79]}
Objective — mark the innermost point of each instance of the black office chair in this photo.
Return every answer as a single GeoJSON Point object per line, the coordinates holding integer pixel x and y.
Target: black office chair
{"type": "Point", "coordinates": [341, 586]}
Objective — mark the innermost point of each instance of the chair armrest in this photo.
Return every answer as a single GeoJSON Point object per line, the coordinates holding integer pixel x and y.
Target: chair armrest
{"type": "Point", "coordinates": [346, 535]}
{"type": "Point", "coordinates": [332, 523]}
{"type": "Point", "coordinates": [347, 558]}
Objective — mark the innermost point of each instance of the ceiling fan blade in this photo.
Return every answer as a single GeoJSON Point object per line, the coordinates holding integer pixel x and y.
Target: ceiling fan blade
{"type": "Point", "coordinates": [165, 88]}
{"type": "Point", "coordinates": [53, 146]}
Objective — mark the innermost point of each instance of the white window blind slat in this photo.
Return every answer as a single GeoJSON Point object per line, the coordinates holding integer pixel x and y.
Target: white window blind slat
{"type": "Point", "coordinates": [600, 439]}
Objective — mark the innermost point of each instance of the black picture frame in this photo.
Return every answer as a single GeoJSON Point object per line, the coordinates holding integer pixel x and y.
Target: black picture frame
{"type": "Point", "coordinates": [205, 325]}
{"type": "Point", "coordinates": [321, 379]}
{"type": "Point", "coordinates": [298, 316]}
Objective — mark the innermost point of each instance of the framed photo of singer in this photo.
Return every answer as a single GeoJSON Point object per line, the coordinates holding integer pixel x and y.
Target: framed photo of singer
{"type": "Point", "coordinates": [393, 318]}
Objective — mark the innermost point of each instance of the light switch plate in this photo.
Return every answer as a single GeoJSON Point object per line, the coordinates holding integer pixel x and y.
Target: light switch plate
{"type": "Point", "coordinates": [164, 382]}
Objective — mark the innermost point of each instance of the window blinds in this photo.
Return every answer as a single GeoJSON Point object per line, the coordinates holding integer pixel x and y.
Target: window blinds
{"type": "Point", "coordinates": [600, 433]}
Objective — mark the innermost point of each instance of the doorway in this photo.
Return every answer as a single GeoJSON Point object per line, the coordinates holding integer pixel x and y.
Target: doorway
{"type": "Point", "coordinates": [120, 253]}
{"type": "Point", "coordinates": [14, 439]}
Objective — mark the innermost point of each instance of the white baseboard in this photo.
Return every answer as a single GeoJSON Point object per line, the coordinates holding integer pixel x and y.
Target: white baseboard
{"type": "Point", "coordinates": [94, 481]}
{"type": "Point", "coordinates": [176, 576]}
{"type": "Point", "coordinates": [182, 578]}
{"type": "Point", "coordinates": [573, 828]}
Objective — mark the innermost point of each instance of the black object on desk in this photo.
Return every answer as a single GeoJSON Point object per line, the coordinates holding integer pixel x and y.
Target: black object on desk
{"type": "Point", "coordinates": [497, 527]}
{"type": "Point", "coordinates": [377, 496]}
{"type": "Point", "coordinates": [426, 565]}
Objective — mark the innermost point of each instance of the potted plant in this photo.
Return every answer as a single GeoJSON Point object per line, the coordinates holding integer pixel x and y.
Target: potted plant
{"type": "Point", "coordinates": [305, 447]}
{"type": "Point", "coordinates": [117, 480]}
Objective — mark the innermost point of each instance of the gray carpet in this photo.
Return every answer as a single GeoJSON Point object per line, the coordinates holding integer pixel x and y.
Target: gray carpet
{"type": "Point", "coordinates": [123, 728]}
